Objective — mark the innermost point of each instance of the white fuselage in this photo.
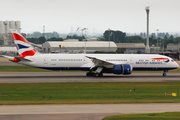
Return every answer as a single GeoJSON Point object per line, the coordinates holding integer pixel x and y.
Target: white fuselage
{"type": "Point", "coordinates": [82, 62]}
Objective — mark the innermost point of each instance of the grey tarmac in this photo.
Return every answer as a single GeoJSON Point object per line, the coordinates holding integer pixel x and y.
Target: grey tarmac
{"type": "Point", "coordinates": [40, 77]}
{"type": "Point", "coordinates": [81, 111]}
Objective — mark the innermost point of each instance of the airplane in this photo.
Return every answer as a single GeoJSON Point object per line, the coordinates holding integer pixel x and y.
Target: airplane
{"type": "Point", "coordinates": [95, 64]}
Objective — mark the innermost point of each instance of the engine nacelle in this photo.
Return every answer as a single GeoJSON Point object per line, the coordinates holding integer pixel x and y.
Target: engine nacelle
{"type": "Point", "coordinates": [124, 69]}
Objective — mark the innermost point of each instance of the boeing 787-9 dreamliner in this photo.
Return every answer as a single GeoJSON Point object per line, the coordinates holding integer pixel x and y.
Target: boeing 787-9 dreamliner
{"type": "Point", "coordinates": [95, 64]}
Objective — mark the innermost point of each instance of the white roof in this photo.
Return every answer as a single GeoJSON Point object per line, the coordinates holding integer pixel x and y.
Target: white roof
{"type": "Point", "coordinates": [130, 45]}
{"type": "Point", "coordinates": [81, 44]}
{"type": "Point", "coordinates": [71, 40]}
{"type": "Point", "coordinates": [6, 49]}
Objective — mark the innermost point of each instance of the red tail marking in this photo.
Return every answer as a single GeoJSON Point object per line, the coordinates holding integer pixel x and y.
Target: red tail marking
{"type": "Point", "coordinates": [27, 53]}
{"type": "Point", "coordinates": [16, 60]}
{"type": "Point", "coordinates": [18, 37]}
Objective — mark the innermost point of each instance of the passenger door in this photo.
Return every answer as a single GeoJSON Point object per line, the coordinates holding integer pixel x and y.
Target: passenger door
{"type": "Point", "coordinates": [45, 62]}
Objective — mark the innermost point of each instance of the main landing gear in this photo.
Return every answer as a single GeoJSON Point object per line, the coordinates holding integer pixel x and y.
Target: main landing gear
{"type": "Point", "coordinates": [94, 74]}
{"type": "Point", "coordinates": [164, 73]}
{"type": "Point", "coordinates": [97, 74]}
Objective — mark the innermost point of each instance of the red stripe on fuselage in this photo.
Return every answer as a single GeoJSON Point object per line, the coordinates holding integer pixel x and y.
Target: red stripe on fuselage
{"type": "Point", "coordinates": [27, 53]}
{"type": "Point", "coordinates": [160, 58]}
{"type": "Point", "coordinates": [18, 37]}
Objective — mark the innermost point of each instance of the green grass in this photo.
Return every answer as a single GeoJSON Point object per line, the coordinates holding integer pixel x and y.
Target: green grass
{"type": "Point", "coordinates": [32, 69]}
{"type": "Point", "coordinates": [81, 93]}
{"type": "Point", "coordinates": [152, 116]}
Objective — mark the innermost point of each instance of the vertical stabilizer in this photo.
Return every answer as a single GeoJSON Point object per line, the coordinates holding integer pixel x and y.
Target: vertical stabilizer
{"type": "Point", "coordinates": [22, 45]}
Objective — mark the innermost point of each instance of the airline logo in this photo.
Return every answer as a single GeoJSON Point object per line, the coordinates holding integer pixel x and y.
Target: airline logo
{"type": "Point", "coordinates": [22, 45]}
{"type": "Point", "coordinates": [165, 59]}
{"type": "Point", "coordinates": [160, 61]}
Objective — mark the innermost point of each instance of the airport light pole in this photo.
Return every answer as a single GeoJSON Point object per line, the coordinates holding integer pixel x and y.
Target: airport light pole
{"type": "Point", "coordinates": [157, 39]}
{"type": "Point", "coordinates": [109, 39]}
{"type": "Point", "coordinates": [147, 39]}
{"type": "Point", "coordinates": [43, 31]}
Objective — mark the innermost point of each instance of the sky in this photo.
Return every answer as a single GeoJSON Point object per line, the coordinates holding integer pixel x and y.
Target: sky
{"type": "Point", "coordinates": [65, 16]}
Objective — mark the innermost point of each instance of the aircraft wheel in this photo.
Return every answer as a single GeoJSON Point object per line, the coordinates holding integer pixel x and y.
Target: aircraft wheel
{"type": "Point", "coordinates": [96, 74]}
{"type": "Point", "coordinates": [100, 75]}
{"type": "Point", "coordinates": [164, 74]}
{"type": "Point", "coordinates": [88, 74]}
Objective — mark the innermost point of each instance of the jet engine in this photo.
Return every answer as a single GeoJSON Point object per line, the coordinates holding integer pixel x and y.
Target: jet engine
{"type": "Point", "coordinates": [124, 69]}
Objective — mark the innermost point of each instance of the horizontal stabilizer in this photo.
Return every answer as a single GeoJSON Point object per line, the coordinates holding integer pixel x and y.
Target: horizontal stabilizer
{"type": "Point", "coordinates": [9, 57]}
{"type": "Point", "coordinates": [16, 59]}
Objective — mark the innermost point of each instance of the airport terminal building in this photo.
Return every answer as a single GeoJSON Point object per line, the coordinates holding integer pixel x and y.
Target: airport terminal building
{"type": "Point", "coordinates": [77, 47]}
{"type": "Point", "coordinates": [130, 48]}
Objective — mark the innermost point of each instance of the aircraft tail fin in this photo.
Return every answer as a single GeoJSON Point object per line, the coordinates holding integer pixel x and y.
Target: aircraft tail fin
{"type": "Point", "coordinates": [22, 45]}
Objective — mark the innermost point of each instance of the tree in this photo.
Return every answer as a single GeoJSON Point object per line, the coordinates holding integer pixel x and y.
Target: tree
{"type": "Point", "coordinates": [153, 36]}
{"type": "Point", "coordinates": [33, 40]}
{"type": "Point", "coordinates": [141, 34]}
{"type": "Point", "coordinates": [171, 37]}
{"type": "Point", "coordinates": [134, 39]}
{"type": "Point", "coordinates": [165, 37]}
{"type": "Point", "coordinates": [116, 36]}
{"type": "Point", "coordinates": [177, 40]}
{"type": "Point", "coordinates": [55, 39]}
{"type": "Point", "coordinates": [101, 38]}
{"type": "Point", "coordinates": [120, 51]}
{"type": "Point", "coordinates": [37, 34]}
{"type": "Point", "coordinates": [55, 34]}
{"type": "Point", "coordinates": [41, 40]}
{"type": "Point", "coordinates": [138, 52]}
{"type": "Point", "coordinates": [119, 37]}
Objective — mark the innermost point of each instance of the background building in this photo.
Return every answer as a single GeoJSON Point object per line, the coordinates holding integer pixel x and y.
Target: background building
{"type": "Point", "coordinates": [5, 36]}
{"type": "Point", "coordinates": [130, 48]}
{"type": "Point", "coordinates": [77, 47]}
{"type": "Point", "coordinates": [154, 49]}
{"type": "Point", "coordinates": [173, 48]}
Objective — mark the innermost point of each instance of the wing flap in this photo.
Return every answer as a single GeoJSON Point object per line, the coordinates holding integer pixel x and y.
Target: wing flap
{"type": "Point", "coordinates": [99, 62]}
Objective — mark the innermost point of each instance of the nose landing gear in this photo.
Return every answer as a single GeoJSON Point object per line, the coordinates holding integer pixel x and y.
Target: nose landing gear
{"type": "Point", "coordinates": [164, 73]}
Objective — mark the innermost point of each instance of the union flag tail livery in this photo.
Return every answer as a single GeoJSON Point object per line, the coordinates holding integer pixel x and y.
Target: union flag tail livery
{"type": "Point", "coordinates": [101, 63]}
{"type": "Point", "coordinates": [22, 45]}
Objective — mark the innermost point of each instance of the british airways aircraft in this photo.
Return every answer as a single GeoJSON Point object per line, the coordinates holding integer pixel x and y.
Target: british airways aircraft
{"type": "Point", "coordinates": [95, 64]}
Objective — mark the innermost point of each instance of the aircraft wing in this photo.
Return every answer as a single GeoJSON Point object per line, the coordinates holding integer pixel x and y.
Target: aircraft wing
{"type": "Point", "coordinates": [99, 62]}
{"type": "Point", "coordinates": [16, 58]}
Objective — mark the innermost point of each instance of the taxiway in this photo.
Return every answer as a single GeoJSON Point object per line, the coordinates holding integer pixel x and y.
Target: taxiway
{"type": "Point", "coordinates": [81, 111]}
{"type": "Point", "coordinates": [40, 77]}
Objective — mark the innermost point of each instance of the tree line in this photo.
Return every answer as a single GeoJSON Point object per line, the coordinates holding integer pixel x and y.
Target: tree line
{"type": "Point", "coordinates": [46, 35]}
{"type": "Point", "coordinates": [42, 40]}
{"type": "Point", "coordinates": [109, 35]}
{"type": "Point", "coordinates": [121, 37]}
